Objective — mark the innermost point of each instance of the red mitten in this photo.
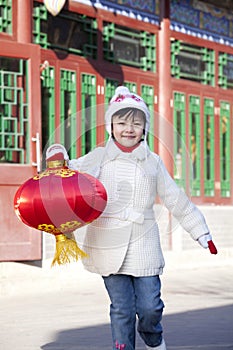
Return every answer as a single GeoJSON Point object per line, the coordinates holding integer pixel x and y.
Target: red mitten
{"type": "Point", "coordinates": [206, 242]}
{"type": "Point", "coordinates": [212, 248]}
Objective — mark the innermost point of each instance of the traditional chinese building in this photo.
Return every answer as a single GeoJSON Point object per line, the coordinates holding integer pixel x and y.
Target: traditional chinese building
{"type": "Point", "coordinates": [58, 72]}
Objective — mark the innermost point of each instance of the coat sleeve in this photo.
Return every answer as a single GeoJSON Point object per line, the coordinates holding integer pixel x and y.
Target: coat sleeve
{"type": "Point", "coordinates": [179, 205]}
{"type": "Point", "coordinates": [89, 163]}
{"type": "Point", "coordinates": [75, 164]}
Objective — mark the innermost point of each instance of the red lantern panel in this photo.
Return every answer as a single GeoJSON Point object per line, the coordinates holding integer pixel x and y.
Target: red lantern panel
{"type": "Point", "coordinates": [60, 200]}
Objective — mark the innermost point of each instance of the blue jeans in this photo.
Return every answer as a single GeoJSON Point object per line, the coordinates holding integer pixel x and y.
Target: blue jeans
{"type": "Point", "coordinates": [130, 297]}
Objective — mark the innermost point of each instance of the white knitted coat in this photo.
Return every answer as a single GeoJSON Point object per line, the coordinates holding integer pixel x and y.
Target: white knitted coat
{"type": "Point", "coordinates": [125, 238]}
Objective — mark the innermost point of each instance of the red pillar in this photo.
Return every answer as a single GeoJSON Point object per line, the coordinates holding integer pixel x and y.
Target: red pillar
{"type": "Point", "coordinates": [165, 113]}
{"type": "Point", "coordinates": [24, 21]}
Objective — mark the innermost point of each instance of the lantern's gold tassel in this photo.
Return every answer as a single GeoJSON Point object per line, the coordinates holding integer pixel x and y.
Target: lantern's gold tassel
{"type": "Point", "coordinates": [67, 250]}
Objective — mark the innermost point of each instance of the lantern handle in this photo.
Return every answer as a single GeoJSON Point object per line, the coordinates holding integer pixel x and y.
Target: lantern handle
{"type": "Point", "coordinates": [36, 139]}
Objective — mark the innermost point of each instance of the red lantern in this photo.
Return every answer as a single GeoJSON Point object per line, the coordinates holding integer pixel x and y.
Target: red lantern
{"type": "Point", "coordinates": [54, 6]}
{"type": "Point", "coordinates": [58, 201]}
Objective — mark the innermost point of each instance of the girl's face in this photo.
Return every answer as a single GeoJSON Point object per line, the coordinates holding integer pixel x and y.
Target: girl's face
{"type": "Point", "coordinates": [128, 129]}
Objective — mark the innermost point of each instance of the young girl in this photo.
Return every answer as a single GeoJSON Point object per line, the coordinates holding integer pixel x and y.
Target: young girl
{"type": "Point", "coordinates": [123, 244]}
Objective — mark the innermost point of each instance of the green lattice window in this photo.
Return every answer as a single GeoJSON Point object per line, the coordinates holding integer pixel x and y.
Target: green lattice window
{"type": "Point", "coordinates": [209, 142]}
{"type": "Point", "coordinates": [68, 109]}
{"type": "Point", "coordinates": [130, 47]}
{"type": "Point", "coordinates": [191, 62]}
{"type": "Point", "coordinates": [67, 32]}
{"type": "Point", "coordinates": [110, 87]}
{"type": "Point", "coordinates": [180, 151]}
{"type": "Point", "coordinates": [194, 142]}
{"type": "Point", "coordinates": [225, 148]}
{"type": "Point", "coordinates": [88, 93]}
{"type": "Point", "coordinates": [225, 75]}
{"type": "Point", "coordinates": [131, 86]}
{"type": "Point", "coordinates": [14, 111]}
{"type": "Point", "coordinates": [6, 16]}
{"type": "Point", "coordinates": [148, 96]}
{"type": "Point", "coordinates": [48, 106]}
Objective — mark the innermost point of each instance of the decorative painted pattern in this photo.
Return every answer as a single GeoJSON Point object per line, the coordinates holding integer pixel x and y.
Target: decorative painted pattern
{"type": "Point", "coordinates": [190, 17]}
{"type": "Point", "coordinates": [184, 14]}
{"type": "Point", "coordinates": [209, 23]}
{"type": "Point", "coordinates": [56, 172]}
{"type": "Point", "coordinates": [142, 5]}
{"type": "Point", "coordinates": [66, 227]}
{"type": "Point", "coordinates": [203, 18]}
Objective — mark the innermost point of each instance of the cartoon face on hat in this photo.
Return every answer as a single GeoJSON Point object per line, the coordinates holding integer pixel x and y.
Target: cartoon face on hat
{"type": "Point", "coordinates": [123, 98]}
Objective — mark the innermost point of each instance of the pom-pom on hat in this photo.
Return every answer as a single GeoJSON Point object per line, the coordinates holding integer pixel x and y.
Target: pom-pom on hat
{"type": "Point", "coordinates": [123, 98]}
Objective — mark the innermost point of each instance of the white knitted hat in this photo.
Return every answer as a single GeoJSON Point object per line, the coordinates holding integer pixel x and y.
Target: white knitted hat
{"type": "Point", "coordinates": [123, 98]}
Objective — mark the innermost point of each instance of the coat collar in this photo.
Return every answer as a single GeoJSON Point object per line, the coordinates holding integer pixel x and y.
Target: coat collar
{"type": "Point", "coordinates": [140, 153]}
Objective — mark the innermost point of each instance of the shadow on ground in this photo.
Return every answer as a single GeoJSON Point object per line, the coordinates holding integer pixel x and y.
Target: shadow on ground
{"type": "Point", "coordinates": [205, 329]}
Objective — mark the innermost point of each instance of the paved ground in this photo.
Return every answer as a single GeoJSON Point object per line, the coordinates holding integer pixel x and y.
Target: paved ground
{"type": "Point", "coordinates": [61, 309]}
